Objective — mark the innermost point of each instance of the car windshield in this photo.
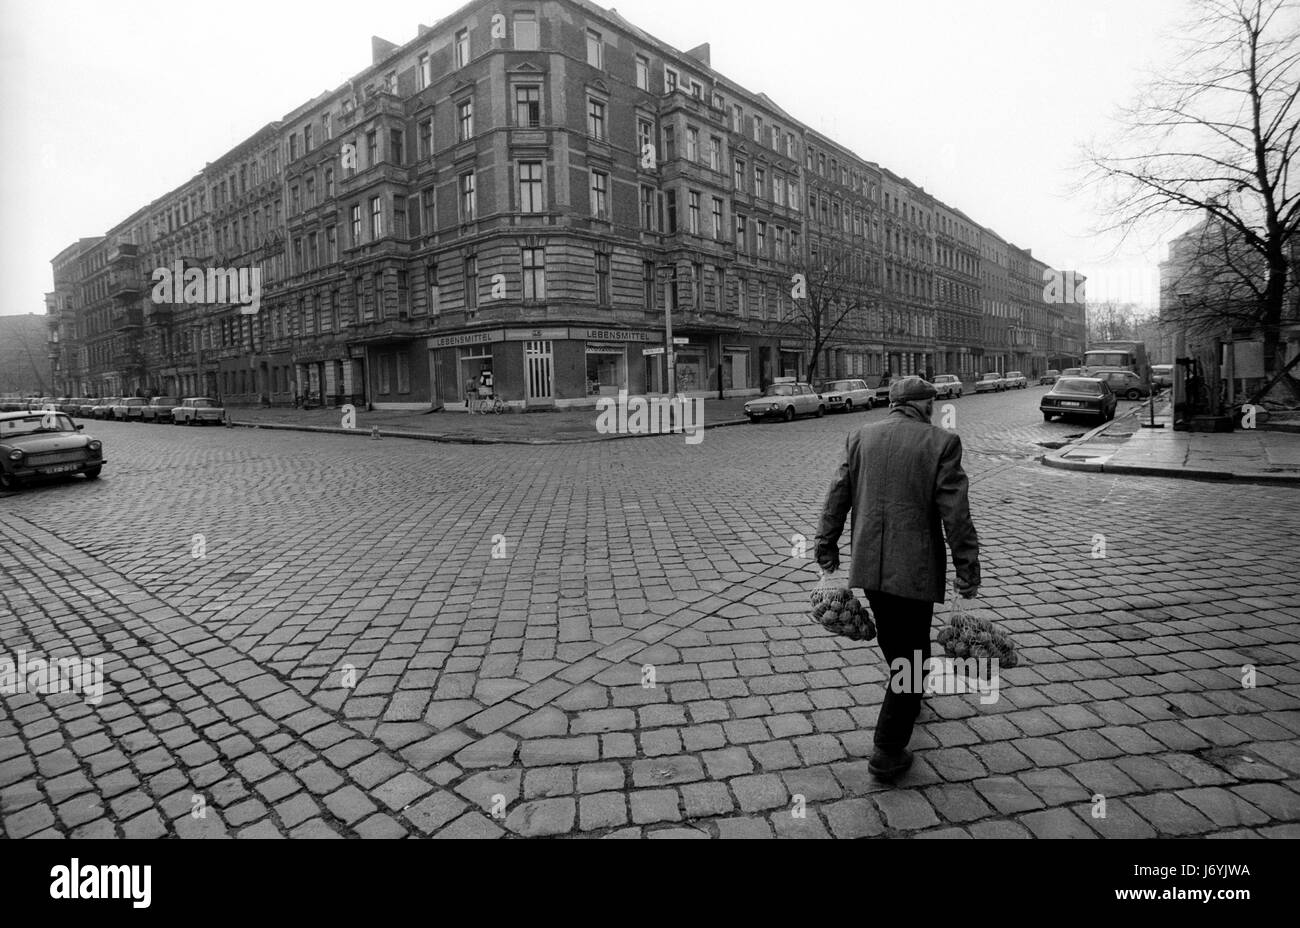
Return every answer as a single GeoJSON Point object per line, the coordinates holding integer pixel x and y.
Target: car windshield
{"type": "Point", "coordinates": [202, 404]}
{"type": "Point", "coordinates": [779, 389]}
{"type": "Point", "coordinates": [990, 376]}
{"type": "Point", "coordinates": [1015, 374]}
{"type": "Point", "coordinates": [837, 385]}
{"type": "Point", "coordinates": [133, 401]}
{"type": "Point", "coordinates": [32, 425]}
{"type": "Point", "coordinates": [164, 401]}
{"type": "Point", "coordinates": [1086, 387]}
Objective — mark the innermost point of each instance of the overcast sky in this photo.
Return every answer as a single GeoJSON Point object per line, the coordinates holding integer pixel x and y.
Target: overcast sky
{"type": "Point", "coordinates": [106, 106]}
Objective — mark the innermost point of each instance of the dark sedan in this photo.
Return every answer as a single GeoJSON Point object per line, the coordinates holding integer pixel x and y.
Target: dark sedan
{"type": "Point", "coordinates": [45, 444]}
{"type": "Point", "coordinates": [1079, 396]}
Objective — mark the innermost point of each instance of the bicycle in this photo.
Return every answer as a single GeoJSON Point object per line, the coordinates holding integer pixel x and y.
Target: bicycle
{"type": "Point", "coordinates": [484, 405]}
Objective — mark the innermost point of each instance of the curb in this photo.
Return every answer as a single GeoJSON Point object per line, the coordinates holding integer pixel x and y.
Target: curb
{"type": "Point", "coordinates": [1056, 461]}
{"type": "Point", "coordinates": [443, 438]}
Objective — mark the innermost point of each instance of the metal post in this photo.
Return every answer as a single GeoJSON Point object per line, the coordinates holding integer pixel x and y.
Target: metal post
{"type": "Point", "coordinates": [670, 355]}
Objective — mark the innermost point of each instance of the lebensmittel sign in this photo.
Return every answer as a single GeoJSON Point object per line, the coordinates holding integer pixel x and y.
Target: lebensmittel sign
{"type": "Point", "coordinates": [613, 335]}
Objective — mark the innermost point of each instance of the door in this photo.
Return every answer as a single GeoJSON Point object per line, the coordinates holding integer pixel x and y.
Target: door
{"type": "Point", "coordinates": [539, 372]}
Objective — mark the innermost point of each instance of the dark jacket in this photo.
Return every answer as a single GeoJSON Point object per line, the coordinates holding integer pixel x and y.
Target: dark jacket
{"type": "Point", "coordinates": [903, 479]}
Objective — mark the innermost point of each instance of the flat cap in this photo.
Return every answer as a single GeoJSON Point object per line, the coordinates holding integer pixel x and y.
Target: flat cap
{"type": "Point", "coordinates": [911, 390]}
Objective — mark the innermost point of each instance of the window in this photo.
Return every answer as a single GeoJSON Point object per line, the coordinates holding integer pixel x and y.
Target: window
{"type": "Point", "coordinates": [602, 279]}
{"type": "Point", "coordinates": [390, 82]}
{"type": "Point", "coordinates": [426, 138]}
{"type": "Point", "coordinates": [737, 118]}
{"type": "Point", "coordinates": [462, 48]}
{"type": "Point", "coordinates": [595, 49]}
{"type": "Point", "coordinates": [760, 239]}
{"type": "Point", "coordinates": [350, 165]}
{"type": "Point", "coordinates": [372, 149]}
{"type": "Point", "coordinates": [644, 135]}
{"type": "Point", "coordinates": [600, 194]}
{"type": "Point", "coordinates": [647, 208]}
{"type": "Point", "coordinates": [465, 120]}
{"type": "Point", "coordinates": [670, 143]}
{"type": "Point", "coordinates": [306, 146]}
{"type": "Point", "coordinates": [356, 224]}
{"type": "Point", "coordinates": [642, 72]}
{"type": "Point", "coordinates": [530, 187]}
{"type": "Point", "coordinates": [670, 80]}
{"type": "Point", "coordinates": [396, 146]}
{"type": "Point", "coordinates": [534, 261]}
{"type": "Point", "coordinates": [471, 283]}
{"type": "Point", "coordinates": [693, 212]}
{"type": "Point", "coordinates": [740, 233]}
{"type": "Point", "coordinates": [295, 201]}
{"type": "Point", "coordinates": [738, 176]}
{"type": "Point", "coordinates": [376, 218]}
{"type": "Point", "coordinates": [776, 138]}
{"type": "Point", "coordinates": [778, 189]}
{"type": "Point", "coordinates": [742, 288]}
{"type": "Point", "coordinates": [326, 124]}
{"type": "Point", "coordinates": [758, 128]}
{"type": "Point", "coordinates": [717, 219]}
{"type": "Point", "coordinates": [435, 294]}
{"type": "Point", "coordinates": [648, 284]}
{"type": "Point", "coordinates": [313, 249]}
{"type": "Point", "coordinates": [715, 153]}
{"type": "Point", "coordinates": [385, 377]}
{"type": "Point", "coordinates": [697, 91]}
{"type": "Point", "coordinates": [697, 285]}
{"type": "Point", "coordinates": [427, 216]}
{"type": "Point", "coordinates": [528, 107]}
{"type": "Point", "coordinates": [671, 200]}
{"type": "Point", "coordinates": [425, 71]}
{"type": "Point", "coordinates": [468, 198]}
{"type": "Point", "coordinates": [403, 373]}
{"type": "Point", "coordinates": [399, 216]}
{"type": "Point", "coordinates": [329, 183]}
{"type": "Point", "coordinates": [779, 236]}
{"type": "Point", "coordinates": [596, 119]}
{"type": "Point", "coordinates": [293, 154]}
{"type": "Point", "coordinates": [526, 37]}
{"type": "Point", "coordinates": [760, 181]}
{"type": "Point", "coordinates": [692, 144]}
{"type": "Point", "coordinates": [332, 244]}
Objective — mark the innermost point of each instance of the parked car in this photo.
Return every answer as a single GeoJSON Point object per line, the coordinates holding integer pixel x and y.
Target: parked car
{"type": "Point", "coordinates": [786, 399]}
{"type": "Point", "coordinates": [1079, 396]}
{"type": "Point", "coordinates": [990, 383]}
{"type": "Point", "coordinates": [1125, 383]}
{"type": "Point", "coordinates": [128, 408]}
{"type": "Point", "coordinates": [1015, 380]}
{"type": "Point", "coordinates": [1075, 372]}
{"type": "Point", "coordinates": [104, 408]}
{"type": "Point", "coordinates": [882, 390]}
{"type": "Point", "coordinates": [160, 409]}
{"type": "Point", "coordinates": [847, 395]}
{"type": "Point", "coordinates": [40, 403]}
{"type": "Point", "coordinates": [198, 410]}
{"type": "Point", "coordinates": [13, 404]}
{"type": "Point", "coordinates": [44, 445]}
{"type": "Point", "coordinates": [947, 386]}
{"type": "Point", "coordinates": [87, 407]}
{"type": "Point", "coordinates": [68, 404]}
{"type": "Point", "coordinates": [1162, 375]}
{"type": "Point", "coordinates": [1049, 377]}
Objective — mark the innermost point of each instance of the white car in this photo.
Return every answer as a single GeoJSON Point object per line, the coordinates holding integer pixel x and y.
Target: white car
{"type": "Point", "coordinates": [990, 383]}
{"type": "Point", "coordinates": [947, 386]}
{"type": "Point", "coordinates": [847, 395]}
{"type": "Point", "coordinates": [785, 399]}
{"type": "Point", "coordinates": [1015, 380]}
{"type": "Point", "coordinates": [130, 407]}
{"type": "Point", "coordinates": [198, 410]}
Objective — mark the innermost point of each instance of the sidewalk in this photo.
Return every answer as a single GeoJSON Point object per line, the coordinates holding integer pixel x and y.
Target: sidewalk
{"type": "Point", "coordinates": [560, 426]}
{"type": "Point", "coordinates": [1124, 447]}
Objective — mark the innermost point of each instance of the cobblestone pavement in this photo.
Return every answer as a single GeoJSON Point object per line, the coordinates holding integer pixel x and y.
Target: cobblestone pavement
{"type": "Point", "coordinates": [504, 696]}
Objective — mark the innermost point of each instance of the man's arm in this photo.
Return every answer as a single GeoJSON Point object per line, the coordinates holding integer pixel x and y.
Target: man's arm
{"type": "Point", "coordinates": [839, 499]}
{"type": "Point", "coordinates": [951, 496]}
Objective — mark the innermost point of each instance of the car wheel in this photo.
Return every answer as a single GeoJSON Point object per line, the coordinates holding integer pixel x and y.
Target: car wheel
{"type": "Point", "coordinates": [753, 420]}
{"type": "Point", "coordinates": [789, 414]}
{"type": "Point", "coordinates": [9, 481]}
{"type": "Point", "coordinates": [1047, 417]}
{"type": "Point", "coordinates": [821, 411]}
{"type": "Point", "coordinates": [1134, 394]}
{"type": "Point", "coordinates": [848, 405]}
{"type": "Point", "coordinates": [92, 473]}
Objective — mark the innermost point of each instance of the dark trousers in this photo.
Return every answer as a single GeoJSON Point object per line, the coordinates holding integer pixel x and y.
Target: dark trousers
{"type": "Point", "coordinates": [902, 629]}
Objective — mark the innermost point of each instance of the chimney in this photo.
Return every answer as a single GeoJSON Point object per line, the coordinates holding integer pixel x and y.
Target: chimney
{"type": "Point", "coordinates": [702, 54]}
{"type": "Point", "coordinates": [380, 49]}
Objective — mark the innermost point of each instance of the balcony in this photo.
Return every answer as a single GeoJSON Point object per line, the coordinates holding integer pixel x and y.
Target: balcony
{"type": "Point", "coordinates": [161, 314]}
{"type": "Point", "coordinates": [128, 318]}
{"type": "Point", "coordinates": [125, 285]}
{"type": "Point", "coordinates": [123, 252]}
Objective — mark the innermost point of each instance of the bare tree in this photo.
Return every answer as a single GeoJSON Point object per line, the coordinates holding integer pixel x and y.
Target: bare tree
{"type": "Point", "coordinates": [1215, 137]}
{"type": "Point", "coordinates": [831, 298]}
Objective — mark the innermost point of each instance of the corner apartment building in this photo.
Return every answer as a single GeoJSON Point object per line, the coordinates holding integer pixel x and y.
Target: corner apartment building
{"type": "Point", "coordinates": [525, 188]}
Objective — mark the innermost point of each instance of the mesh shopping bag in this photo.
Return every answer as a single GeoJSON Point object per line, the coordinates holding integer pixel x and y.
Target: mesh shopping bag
{"type": "Point", "coordinates": [968, 635]}
{"type": "Point", "coordinates": [836, 609]}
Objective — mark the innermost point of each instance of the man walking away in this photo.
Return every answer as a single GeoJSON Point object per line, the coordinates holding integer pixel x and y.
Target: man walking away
{"type": "Point", "coordinates": [903, 479]}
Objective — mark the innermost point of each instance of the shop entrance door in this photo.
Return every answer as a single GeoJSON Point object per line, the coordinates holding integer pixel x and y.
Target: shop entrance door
{"type": "Point", "coordinates": [539, 371]}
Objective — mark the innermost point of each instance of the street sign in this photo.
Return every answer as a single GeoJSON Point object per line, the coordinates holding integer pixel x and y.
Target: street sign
{"type": "Point", "coordinates": [681, 341]}
{"type": "Point", "coordinates": [649, 352]}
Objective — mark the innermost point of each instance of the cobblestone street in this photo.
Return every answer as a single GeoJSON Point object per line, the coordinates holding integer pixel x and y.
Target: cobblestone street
{"type": "Point", "coordinates": [348, 657]}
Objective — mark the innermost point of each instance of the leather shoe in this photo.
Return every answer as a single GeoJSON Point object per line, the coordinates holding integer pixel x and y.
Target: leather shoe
{"type": "Point", "coordinates": [889, 766]}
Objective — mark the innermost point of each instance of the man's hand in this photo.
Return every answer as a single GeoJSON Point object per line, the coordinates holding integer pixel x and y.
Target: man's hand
{"type": "Point", "coordinates": [967, 590]}
{"type": "Point", "coordinates": [828, 557]}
